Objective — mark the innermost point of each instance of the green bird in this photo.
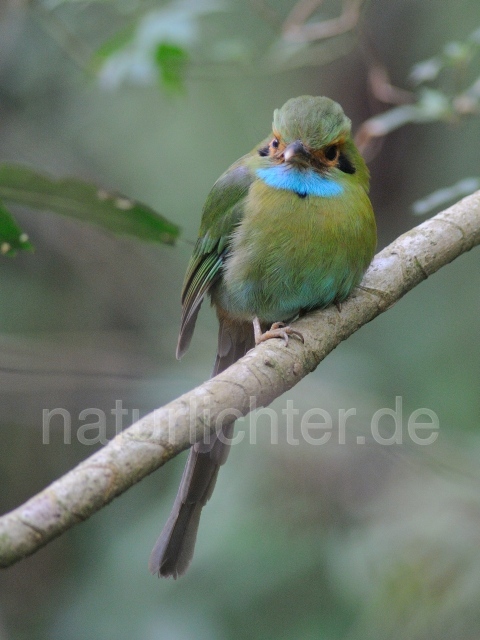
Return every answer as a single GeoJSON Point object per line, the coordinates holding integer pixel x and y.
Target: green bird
{"type": "Point", "coordinates": [287, 228]}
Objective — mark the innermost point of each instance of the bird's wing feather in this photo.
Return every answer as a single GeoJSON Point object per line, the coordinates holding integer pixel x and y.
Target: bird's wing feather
{"type": "Point", "coordinates": [222, 212]}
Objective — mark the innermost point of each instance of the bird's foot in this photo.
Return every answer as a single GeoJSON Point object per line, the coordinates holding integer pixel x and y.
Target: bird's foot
{"type": "Point", "coordinates": [277, 330]}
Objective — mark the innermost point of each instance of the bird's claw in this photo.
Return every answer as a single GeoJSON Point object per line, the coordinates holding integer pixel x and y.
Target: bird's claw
{"type": "Point", "coordinates": [278, 330]}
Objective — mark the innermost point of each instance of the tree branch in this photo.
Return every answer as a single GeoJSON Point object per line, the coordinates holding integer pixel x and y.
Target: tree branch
{"type": "Point", "coordinates": [261, 376]}
{"type": "Point", "coordinates": [296, 28]}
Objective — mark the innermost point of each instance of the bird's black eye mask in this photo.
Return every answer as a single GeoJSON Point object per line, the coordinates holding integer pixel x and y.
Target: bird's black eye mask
{"type": "Point", "coordinates": [263, 152]}
{"type": "Point", "coordinates": [344, 164]}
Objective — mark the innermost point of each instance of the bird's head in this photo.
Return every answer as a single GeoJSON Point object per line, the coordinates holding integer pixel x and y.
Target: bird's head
{"type": "Point", "coordinates": [311, 132]}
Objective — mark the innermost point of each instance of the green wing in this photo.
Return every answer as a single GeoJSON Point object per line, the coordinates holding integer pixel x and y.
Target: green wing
{"type": "Point", "coordinates": [222, 212]}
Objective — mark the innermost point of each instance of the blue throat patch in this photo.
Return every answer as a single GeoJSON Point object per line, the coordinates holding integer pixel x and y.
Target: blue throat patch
{"type": "Point", "coordinates": [304, 183]}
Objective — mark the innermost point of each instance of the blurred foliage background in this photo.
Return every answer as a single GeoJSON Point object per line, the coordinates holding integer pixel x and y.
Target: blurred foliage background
{"type": "Point", "coordinates": [155, 100]}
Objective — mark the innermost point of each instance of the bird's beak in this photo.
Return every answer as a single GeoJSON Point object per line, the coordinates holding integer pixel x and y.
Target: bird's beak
{"type": "Point", "coordinates": [296, 153]}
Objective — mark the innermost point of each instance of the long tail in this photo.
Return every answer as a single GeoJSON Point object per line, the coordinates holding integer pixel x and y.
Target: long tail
{"type": "Point", "coordinates": [174, 548]}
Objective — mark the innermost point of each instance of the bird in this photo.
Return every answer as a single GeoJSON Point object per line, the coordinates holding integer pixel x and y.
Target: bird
{"type": "Point", "coordinates": [287, 228]}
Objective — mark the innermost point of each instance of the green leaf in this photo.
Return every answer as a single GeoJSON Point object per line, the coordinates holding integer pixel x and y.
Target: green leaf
{"type": "Point", "coordinates": [86, 202]}
{"type": "Point", "coordinates": [12, 238]}
{"type": "Point", "coordinates": [458, 53]}
{"type": "Point", "coordinates": [115, 44]}
{"type": "Point", "coordinates": [171, 61]}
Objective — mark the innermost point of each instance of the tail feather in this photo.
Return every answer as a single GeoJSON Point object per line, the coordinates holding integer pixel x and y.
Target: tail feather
{"type": "Point", "coordinates": [174, 548]}
{"type": "Point", "coordinates": [233, 343]}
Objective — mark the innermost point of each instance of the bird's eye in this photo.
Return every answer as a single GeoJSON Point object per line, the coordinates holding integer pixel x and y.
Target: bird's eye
{"type": "Point", "coordinates": [331, 152]}
{"type": "Point", "coordinates": [275, 143]}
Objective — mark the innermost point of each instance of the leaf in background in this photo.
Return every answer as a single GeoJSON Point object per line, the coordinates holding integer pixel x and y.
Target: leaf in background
{"type": "Point", "coordinates": [84, 201]}
{"type": "Point", "coordinates": [475, 37]}
{"type": "Point", "coordinates": [172, 61]}
{"type": "Point", "coordinates": [12, 238]}
{"type": "Point", "coordinates": [138, 59]}
{"type": "Point", "coordinates": [441, 197]}
{"type": "Point", "coordinates": [119, 41]}
{"type": "Point", "coordinates": [426, 71]}
{"type": "Point", "coordinates": [433, 105]}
